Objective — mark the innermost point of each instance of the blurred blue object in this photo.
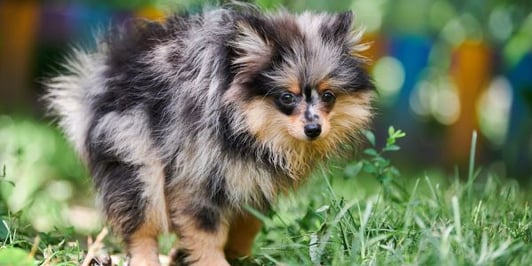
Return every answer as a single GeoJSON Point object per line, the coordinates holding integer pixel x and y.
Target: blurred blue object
{"type": "Point", "coordinates": [56, 23]}
{"type": "Point", "coordinates": [518, 149]}
{"type": "Point", "coordinates": [87, 20]}
{"type": "Point", "coordinates": [413, 53]}
{"type": "Point", "coordinates": [77, 23]}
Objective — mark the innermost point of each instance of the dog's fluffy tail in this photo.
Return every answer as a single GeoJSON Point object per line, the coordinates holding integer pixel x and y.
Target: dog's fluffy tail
{"type": "Point", "coordinates": [69, 95]}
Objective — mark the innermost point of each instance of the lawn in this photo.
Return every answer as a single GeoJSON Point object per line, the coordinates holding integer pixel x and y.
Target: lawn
{"type": "Point", "coordinates": [363, 212]}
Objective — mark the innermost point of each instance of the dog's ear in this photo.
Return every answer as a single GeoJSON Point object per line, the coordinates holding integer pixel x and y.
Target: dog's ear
{"type": "Point", "coordinates": [339, 30]}
{"type": "Point", "coordinates": [251, 46]}
{"type": "Point", "coordinates": [338, 27]}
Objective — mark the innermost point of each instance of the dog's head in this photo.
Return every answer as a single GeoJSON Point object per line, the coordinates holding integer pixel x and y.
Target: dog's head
{"type": "Point", "coordinates": [299, 79]}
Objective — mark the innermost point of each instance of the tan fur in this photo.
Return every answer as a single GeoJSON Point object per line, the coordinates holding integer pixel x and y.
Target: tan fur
{"type": "Point", "coordinates": [294, 87]}
{"type": "Point", "coordinates": [206, 248]}
{"type": "Point", "coordinates": [270, 128]}
{"type": "Point", "coordinates": [156, 212]}
{"type": "Point", "coordinates": [143, 246]}
{"type": "Point", "coordinates": [285, 134]}
{"type": "Point", "coordinates": [242, 232]}
{"type": "Point", "coordinates": [323, 85]}
{"type": "Point", "coordinates": [252, 185]}
{"type": "Point", "coordinates": [351, 112]}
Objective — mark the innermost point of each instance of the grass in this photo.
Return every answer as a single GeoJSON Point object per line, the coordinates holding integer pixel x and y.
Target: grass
{"type": "Point", "coordinates": [426, 221]}
{"type": "Point", "coordinates": [434, 224]}
{"type": "Point", "coordinates": [360, 213]}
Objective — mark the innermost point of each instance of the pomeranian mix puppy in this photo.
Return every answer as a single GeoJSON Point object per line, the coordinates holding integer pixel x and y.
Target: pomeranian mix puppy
{"type": "Point", "coordinates": [184, 122]}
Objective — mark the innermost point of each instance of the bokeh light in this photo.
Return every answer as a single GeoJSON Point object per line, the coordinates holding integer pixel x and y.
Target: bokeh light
{"type": "Point", "coordinates": [500, 24]}
{"type": "Point", "coordinates": [494, 110]}
{"type": "Point", "coordinates": [369, 14]}
{"type": "Point", "coordinates": [437, 100]}
{"type": "Point", "coordinates": [389, 75]}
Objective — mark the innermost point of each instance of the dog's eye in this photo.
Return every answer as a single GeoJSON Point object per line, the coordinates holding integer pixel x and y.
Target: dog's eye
{"type": "Point", "coordinates": [287, 98]}
{"type": "Point", "coordinates": [328, 97]}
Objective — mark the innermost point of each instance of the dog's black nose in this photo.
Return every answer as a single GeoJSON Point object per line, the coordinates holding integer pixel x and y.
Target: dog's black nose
{"type": "Point", "coordinates": [313, 130]}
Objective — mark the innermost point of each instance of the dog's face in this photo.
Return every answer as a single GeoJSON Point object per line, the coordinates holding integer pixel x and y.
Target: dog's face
{"type": "Point", "coordinates": [299, 79]}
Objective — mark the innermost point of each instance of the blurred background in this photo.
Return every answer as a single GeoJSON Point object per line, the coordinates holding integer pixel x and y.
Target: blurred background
{"type": "Point", "coordinates": [443, 68]}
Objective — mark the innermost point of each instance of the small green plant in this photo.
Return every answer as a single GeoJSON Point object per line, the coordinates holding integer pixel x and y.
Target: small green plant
{"type": "Point", "coordinates": [376, 165]}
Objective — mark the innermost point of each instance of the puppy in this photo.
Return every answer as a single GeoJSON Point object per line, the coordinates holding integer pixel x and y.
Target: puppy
{"type": "Point", "coordinates": [184, 122]}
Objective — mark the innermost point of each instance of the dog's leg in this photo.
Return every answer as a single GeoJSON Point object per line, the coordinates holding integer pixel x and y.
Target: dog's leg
{"type": "Point", "coordinates": [142, 247]}
{"type": "Point", "coordinates": [200, 242]}
{"type": "Point", "coordinates": [127, 210]}
{"type": "Point", "coordinates": [244, 227]}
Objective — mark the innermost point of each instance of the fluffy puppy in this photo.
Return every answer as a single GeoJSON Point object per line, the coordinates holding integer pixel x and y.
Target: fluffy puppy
{"type": "Point", "coordinates": [184, 122]}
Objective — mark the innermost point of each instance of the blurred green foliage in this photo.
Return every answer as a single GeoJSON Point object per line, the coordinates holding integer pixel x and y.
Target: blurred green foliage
{"type": "Point", "coordinates": [41, 173]}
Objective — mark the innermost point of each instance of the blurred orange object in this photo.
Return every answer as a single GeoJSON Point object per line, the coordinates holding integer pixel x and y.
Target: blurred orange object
{"type": "Point", "coordinates": [376, 49]}
{"type": "Point", "coordinates": [151, 13]}
{"type": "Point", "coordinates": [471, 72]}
{"type": "Point", "coordinates": [18, 25]}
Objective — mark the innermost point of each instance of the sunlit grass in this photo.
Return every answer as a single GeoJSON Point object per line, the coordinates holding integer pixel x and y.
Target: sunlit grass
{"type": "Point", "coordinates": [437, 224]}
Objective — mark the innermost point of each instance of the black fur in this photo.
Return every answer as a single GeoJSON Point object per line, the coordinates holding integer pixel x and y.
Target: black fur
{"type": "Point", "coordinates": [244, 146]}
{"type": "Point", "coordinates": [207, 217]}
{"type": "Point", "coordinates": [180, 258]}
{"type": "Point", "coordinates": [338, 29]}
{"type": "Point", "coordinates": [307, 91]}
{"type": "Point", "coordinates": [120, 189]}
{"type": "Point", "coordinates": [216, 188]}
